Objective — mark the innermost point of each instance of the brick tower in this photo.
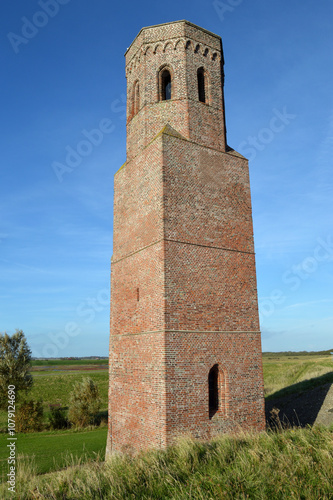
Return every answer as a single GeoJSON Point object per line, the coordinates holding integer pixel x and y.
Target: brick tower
{"type": "Point", "coordinates": [185, 347]}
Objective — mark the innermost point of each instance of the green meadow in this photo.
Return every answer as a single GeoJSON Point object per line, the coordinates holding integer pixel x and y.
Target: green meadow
{"type": "Point", "coordinates": [69, 362]}
{"type": "Point", "coordinates": [54, 386]}
{"type": "Point", "coordinates": [53, 383]}
{"type": "Point", "coordinates": [55, 450]}
{"type": "Point", "coordinates": [283, 371]}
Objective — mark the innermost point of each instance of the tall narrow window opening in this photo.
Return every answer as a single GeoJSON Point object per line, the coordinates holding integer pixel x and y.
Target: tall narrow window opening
{"type": "Point", "coordinates": [213, 390]}
{"type": "Point", "coordinates": [201, 85]}
{"type": "Point", "coordinates": [136, 98]}
{"type": "Point", "coordinates": [166, 86]}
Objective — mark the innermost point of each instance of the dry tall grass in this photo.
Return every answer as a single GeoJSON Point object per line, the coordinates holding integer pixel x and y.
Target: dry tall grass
{"type": "Point", "coordinates": [294, 463]}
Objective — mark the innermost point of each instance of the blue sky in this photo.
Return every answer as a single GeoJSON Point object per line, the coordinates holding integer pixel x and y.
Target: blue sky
{"type": "Point", "coordinates": [63, 76]}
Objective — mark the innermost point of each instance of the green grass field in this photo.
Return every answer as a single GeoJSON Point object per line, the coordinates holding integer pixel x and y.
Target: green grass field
{"type": "Point", "coordinates": [56, 386]}
{"type": "Point", "coordinates": [52, 450]}
{"type": "Point", "coordinates": [282, 371]}
{"type": "Point", "coordinates": [46, 364]}
{"type": "Point", "coordinates": [69, 362]}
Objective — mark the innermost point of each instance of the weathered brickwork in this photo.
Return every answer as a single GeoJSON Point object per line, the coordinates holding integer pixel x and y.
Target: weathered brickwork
{"type": "Point", "coordinates": [183, 282]}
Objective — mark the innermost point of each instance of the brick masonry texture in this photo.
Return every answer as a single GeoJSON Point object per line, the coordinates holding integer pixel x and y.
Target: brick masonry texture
{"type": "Point", "coordinates": [183, 282]}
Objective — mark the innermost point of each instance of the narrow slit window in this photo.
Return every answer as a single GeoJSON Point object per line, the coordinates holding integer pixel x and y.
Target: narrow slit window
{"type": "Point", "coordinates": [136, 98]}
{"type": "Point", "coordinates": [137, 294]}
{"type": "Point", "coordinates": [166, 86]}
{"type": "Point", "coordinates": [213, 390]}
{"type": "Point", "coordinates": [201, 85]}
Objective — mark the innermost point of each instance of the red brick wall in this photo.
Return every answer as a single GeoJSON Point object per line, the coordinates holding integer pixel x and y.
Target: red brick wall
{"type": "Point", "coordinates": [189, 357]}
{"type": "Point", "coordinates": [137, 392]}
{"type": "Point", "coordinates": [137, 344]}
{"type": "Point", "coordinates": [183, 279]}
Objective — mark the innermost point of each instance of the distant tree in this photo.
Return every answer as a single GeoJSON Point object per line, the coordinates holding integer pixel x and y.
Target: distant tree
{"type": "Point", "coordinates": [84, 403]}
{"type": "Point", "coordinates": [15, 363]}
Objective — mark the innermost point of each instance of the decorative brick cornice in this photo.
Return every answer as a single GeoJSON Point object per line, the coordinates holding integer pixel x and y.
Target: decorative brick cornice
{"type": "Point", "coordinates": [172, 44]}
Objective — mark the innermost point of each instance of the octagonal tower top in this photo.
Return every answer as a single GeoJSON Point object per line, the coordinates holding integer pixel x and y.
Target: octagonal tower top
{"type": "Point", "coordinates": [175, 77]}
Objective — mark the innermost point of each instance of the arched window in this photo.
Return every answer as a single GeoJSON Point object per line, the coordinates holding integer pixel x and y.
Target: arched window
{"type": "Point", "coordinates": [213, 390]}
{"type": "Point", "coordinates": [165, 85]}
{"type": "Point", "coordinates": [201, 85]}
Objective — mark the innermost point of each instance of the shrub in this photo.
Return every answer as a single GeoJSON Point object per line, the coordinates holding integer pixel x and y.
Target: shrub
{"type": "Point", "coordinates": [84, 403]}
{"type": "Point", "coordinates": [57, 417]}
{"type": "Point", "coordinates": [29, 417]}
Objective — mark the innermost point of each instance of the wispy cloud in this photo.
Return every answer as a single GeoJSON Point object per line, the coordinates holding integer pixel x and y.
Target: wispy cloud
{"type": "Point", "coordinates": [309, 303]}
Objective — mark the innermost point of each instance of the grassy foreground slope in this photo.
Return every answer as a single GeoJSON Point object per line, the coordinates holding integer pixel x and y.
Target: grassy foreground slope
{"type": "Point", "coordinates": [295, 464]}
{"type": "Point", "coordinates": [292, 464]}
